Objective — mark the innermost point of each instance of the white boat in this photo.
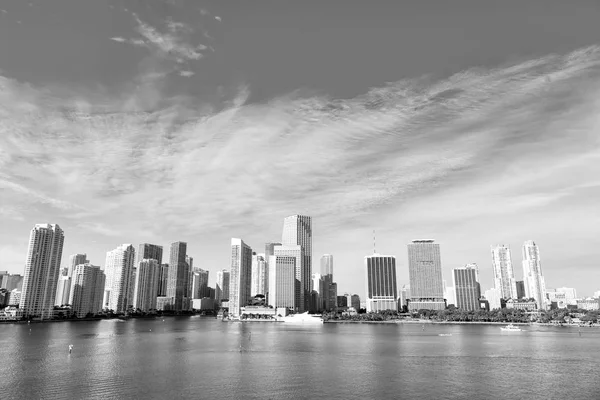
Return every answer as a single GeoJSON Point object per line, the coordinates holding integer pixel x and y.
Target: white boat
{"type": "Point", "coordinates": [510, 328]}
{"type": "Point", "coordinates": [302, 319]}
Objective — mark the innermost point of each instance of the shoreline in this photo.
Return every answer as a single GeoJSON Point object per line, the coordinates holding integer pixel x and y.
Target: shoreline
{"type": "Point", "coordinates": [21, 322]}
{"type": "Point", "coordinates": [462, 323]}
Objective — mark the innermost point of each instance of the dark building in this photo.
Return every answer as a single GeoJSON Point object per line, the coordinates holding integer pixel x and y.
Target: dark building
{"type": "Point", "coordinates": [178, 277]}
{"type": "Point", "coordinates": [520, 289]}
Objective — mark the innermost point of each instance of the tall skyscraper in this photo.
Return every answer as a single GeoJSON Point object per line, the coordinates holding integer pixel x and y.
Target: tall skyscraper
{"type": "Point", "coordinates": [240, 280]}
{"type": "Point", "coordinates": [282, 280]}
{"type": "Point", "coordinates": [118, 291]}
{"type": "Point", "coordinates": [535, 286]}
{"type": "Point", "coordinates": [179, 275]}
{"type": "Point", "coordinates": [260, 278]}
{"type": "Point", "coordinates": [87, 290]}
{"type": "Point", "coordinates": [42, 269]}
{"type": "Point", "coordinates": [146, 285]}
{"type": "Point", "coordinates": [147, 251]}
{"type": "Point", "coordinates": [382, 289]}
{"type": "Point", "coordinates": [189, 289]}
{"type": "Point", "coordinates": [425, 272]}
{"type": "Point", "coordinates": [163, 280]}
{"type": "Point", "coordinates": [199, 283]}
{"type": "Point", "coordinates": [504, 276]}
{"type": "Point", "coordinates": [75, 260]}
{"type": "Point", "coordinates": [63, 290]}
{"type": "Point", "coordinates": [520, 289]}
{"type": "Point", "coordinates": [297, 230]}
{"type": "Point", "coordinates": [405, 295]}
{"type": "Point", "coordinates": [318, 292]}
{"type": "Point", "coordinates": [222, 286]}
{"type": "Point", "coordinates": [329, 296]}
{"type": "Point", "coordinates": [466, 288]}
{"type": "Point", "coordinates": [296, 251]}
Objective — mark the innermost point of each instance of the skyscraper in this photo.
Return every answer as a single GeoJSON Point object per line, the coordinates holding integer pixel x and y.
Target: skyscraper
{"type": "Point", "coordinates": [260, 278]}
{"type": "Point", "coordinates": [63, 290]}
{"type": "Point", "coordinates": [296, 251]}
{"type": "Point", "coordinates": [146, 284]}
{"type": "Point", "coordinates": [222, 286]}
{"type": "Point", "coordinates": [282, 280]}
{"type": "Point", "coordinates": [405, 295]}
{"type": "Point", "coordinates": [147, 251]}
{"type": "Point", "coordinates": [494, 297]}
{"type": "Point", "coordinates": [381, 290]}
{"type": "Point", "coordinates": [535, 286]}
{"type": "Point", "coordinates": [75, 260]}
{"type": "Point", "coordinates": [163, 280]}
{"type": "Point", "coordinates": [178, 280]}
{"type": "Point", "coordinates": [318, 292]}
{"type": "Point", "coordinates": [329, 296]}
{"type": "Point", "coordinates": [87, 290]}
{"type": "Point", "coordinates": [240, 276]}
{"type": "Point", "coordinates": [355, 302]}
{"type": "Point", "coordinates": [199, 283]}
{"type": "Point", "coordinates": [520, 289]}
{"type": "Point", "coordinates": [425, 272]}
{"type": "Point", "coordinates": [42, 269]}
{"type": "Point", "coordinates": [504, 276]}
{"type": "Point", "coordinates": [118, 292]}
{"type": "Point", "coordinates": [466, 288]}
{"type": "Point", "coordinates": [297, 230]}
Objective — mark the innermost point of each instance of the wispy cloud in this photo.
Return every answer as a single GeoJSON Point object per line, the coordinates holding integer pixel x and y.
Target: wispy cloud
{"type": "Point", "coordinates": [510, 137]}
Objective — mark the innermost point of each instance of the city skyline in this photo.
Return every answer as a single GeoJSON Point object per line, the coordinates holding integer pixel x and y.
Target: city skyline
{"type": "Point", "coordinates": [121, 125]}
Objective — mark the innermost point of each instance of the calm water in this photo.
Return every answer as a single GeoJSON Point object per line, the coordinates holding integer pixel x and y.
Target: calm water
{"type": "Point", "coordinates": [204, 358]}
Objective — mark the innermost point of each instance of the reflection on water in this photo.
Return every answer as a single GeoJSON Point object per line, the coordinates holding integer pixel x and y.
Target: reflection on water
{"type": "Point", "coordinates": [206, 358]}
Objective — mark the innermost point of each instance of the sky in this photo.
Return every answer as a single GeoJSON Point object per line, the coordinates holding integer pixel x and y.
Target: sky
{"type": "Point", "coordinates": [473, 123]}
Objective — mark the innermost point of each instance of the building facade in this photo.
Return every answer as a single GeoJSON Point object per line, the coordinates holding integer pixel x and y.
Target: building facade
{"type": "Point", "coordinates": [87, 290]}
{"type": "Point", "coordinates": [535, 286]}
{"type": "Point", "coordinates": [282, 281]}
{"type": "Point", "coordinates": [504, 276]}
{"type": "Point", "coordinates": [42, 269]}
{"type": "Point", "coordinates": [382, 289]}
{"type": "Point", "coordinates": [75, 260]}
{"type": "Point", "coordinates": [260, 278]}
{"type": "Point", "coordinates": [63, 290]}
{"type": "Point", "coordinates": [199, 283]}
{"type": "Point", "coordinates": [297, 231]}
{"type": "Point", "coordinates": [329, 295]}
{"type": "Point", "coordinates": [425, 273]}
{"type": "Point", "coordinates": [466, 288]}
{"type": "Point", "coordinates": [240, 278]}
{"type": "Point", "coordinates": [222, 286]}
{"type": "Point", "coordinates": [178, 278]}
{"type": "Point", "coordinates": [146, 285]}
{"type": "Point", "coordinates": [118, 291]}
{"type": "Point", "coordinates": [297, 252]}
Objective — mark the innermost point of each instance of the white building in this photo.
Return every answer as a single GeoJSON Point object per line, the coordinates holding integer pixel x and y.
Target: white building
{"type": "Point", "coordinates": [118, 291]}
{"type": "Point", "coordinates": [75, 260]}
{"type": "Point", "coordinates": [297, 252]}
{"type": "Point", "coordinates": [87, 290]}
{"type": "Point", "coordinates": [42, 269]}
{"type": "Point", "coordinates": [222, 286]}
{"type": "Point", "coordinates": [282, 281]}
{"type": "Point", "coordinates": [260, 278]}
{"type": "Point", "coordinates": [146, 285]}
{"type": "Point", "coordinates": [570, 295]}
{"type": "Point", "coordinates": [535, 286]}
{"type": "Point", "coordinates": [63, 290]}
{"type": "Point", "coordinates": [240, 279]}
{"type": "Point", "coordinates": [199, 283]}
{"type": "Point", "coordinates": [381, 286]}
{"type": "Point", "coordinates": [504, 276]}
{"type": "Point", "coordinates": [493, 296]}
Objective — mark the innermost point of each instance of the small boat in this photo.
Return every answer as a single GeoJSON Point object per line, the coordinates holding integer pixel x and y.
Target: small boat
{"type": "Point", "coordinates": [510, 328]}
{"type": "Point", "coordinates": [444, 334]}
{"type": "Point", "coordinates": [304, 319]}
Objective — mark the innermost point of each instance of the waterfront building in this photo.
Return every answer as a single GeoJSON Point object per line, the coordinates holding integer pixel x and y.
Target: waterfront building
{"type": "Point", "coordinates": [240, 278]}
{"type": "Point", "coordinates": [13, 281]}
{"type": "Point", "coordinates": [535, 286]}
{"type": "Point", "coordinates": [355, 302]}
{"type": "Point", "coordinates": [14, 299]}
{"type": "Point", "coordinates": [189, 293]}
{"type": "Point", "coordinates": [146, 285]}
{"type": "Point", "coordinates": [559, 299]}
{"type": "Point", "coordinates": [199, 283]}
{"type": "Point", "coordinates": [589, 304]}
{"type": "Point", "coordinates": [260, 278]}
{"type": "Point", "coordinates": [87, 290]}
{"type": "Point", "coordinates": [42, 269]}
{"type": "Point", "coordinates": [297, 252]}
{"type": "Point", "coordinates": [570, 295]}
{"type": "Point", "coordinates": [520, 289]}
{"type": "Point", "coordinates": [329, 295]}
{"type": "Point", "coordinates": [405, 295]}
{"type": "Point", "coordinates": [118, 291]}
{"type": "Point", "coordinates": [222, 286]}
{"type": "Point", "coordinates": [297, 231]}
{"type": "Point", "coordinates": [283, 282]}
{"type": "Point", "coordinates": [381, 286]}
{"type": "Point", "coordinates": [63, 290]}
{"type": "Point", "coordinates": [494, 298]}
{"type": "Point", "coordinates": [342, 303]}
{"type": "Point", "coordinates": [178, 278]}
{"type": "Point", "coordinates": [523, 304]}
{"type": "Point", "coordinates": [504, 276]}
{"type": "Point", "coordinates": [596, 294]}
{"type": "Point", "coordinates": [450, 295]}
{"type": "Point", "coordinates": [163, 280]}
{"type": "Point", "coordinates": [75, 260]}
{"type": "Point", "coordinates": [148, 251]}
{"type": "Point", "coordinates": [425, 272]}
{"type": "Point", "coordinates": [466, 288]}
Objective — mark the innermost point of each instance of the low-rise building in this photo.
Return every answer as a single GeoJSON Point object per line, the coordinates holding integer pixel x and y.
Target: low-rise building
{"type": "Point", "coordinates": [521, 305]}
{"type": "Point", "coordinates": [589, 304]}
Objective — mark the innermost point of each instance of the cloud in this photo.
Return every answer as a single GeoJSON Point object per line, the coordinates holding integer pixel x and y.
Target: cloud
{"type": "Point", "coordinates": [118, 39]}
{"type": "Point", "coordinates": [218, 18]}
{"type": "Point", "coordinates": [186, 73]}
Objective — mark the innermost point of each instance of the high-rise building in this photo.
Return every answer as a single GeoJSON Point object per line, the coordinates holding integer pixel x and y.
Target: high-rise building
{"type": "Point", "coordinates": [222, 286]}
{"type": "Point", "coordinates": [63, 290]}
{"type": "Point", "coordinates": [240, 279]}
{"type": "Point", "coordinates": [382, 289]}
{"type": "Point", "coordinates": [405, 295]}
{"type": "Point", "coordinates": [282, 281]}
{"type": "Point", "coordinates": [425, 272]}
{"type": "Point", "coordinates": [296, 251]}
{"type": "Point", "coordinates": [3, 275]}
{"type": "Point", "coordinates": [147, 251]}
{"type": "Point", "coordinates": [42, 269]}
{"type": "Point", "coordinates": [450, 295]}
{"type": "Point", "coordinates": [146, 285]}
{"type": "Point", "coordinates": [118, 291]}
{"type": "Point", "coordinates": [466, 288]}
{"type": "Point", "coordinates": [178, 279]}
{"type": "Point", "coordinates": [494, 298]}
{"type": "Point", "coordinates": [329, 296]}
{"type": "Point", "coordinates": [87, 290]}
{"type": "Point", "coordinates": [163, 280]}
{"type": "Point", "coordinates": [260, 278]}
{"type": "Point", "coordinates": [297, 230]}
{"type": "Point", "coordinates": [504, 276]}
{"type": "Point", "coordinates": [13, 281]}
{"type": "Point", "coordinates": [199, 283]}
{"type": "Point", "coordinates": [355, 302]}
{"type": "Point", "coordinates": [535, 286]}
{"type": "Point", "coordinates": [75, 260]}
{"type": "Point", "coordinates": [520, 289]}
{"type": "Point", "coordinates": [318, 293]}
{"type": "Point", "coordinates": [189, 292]}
